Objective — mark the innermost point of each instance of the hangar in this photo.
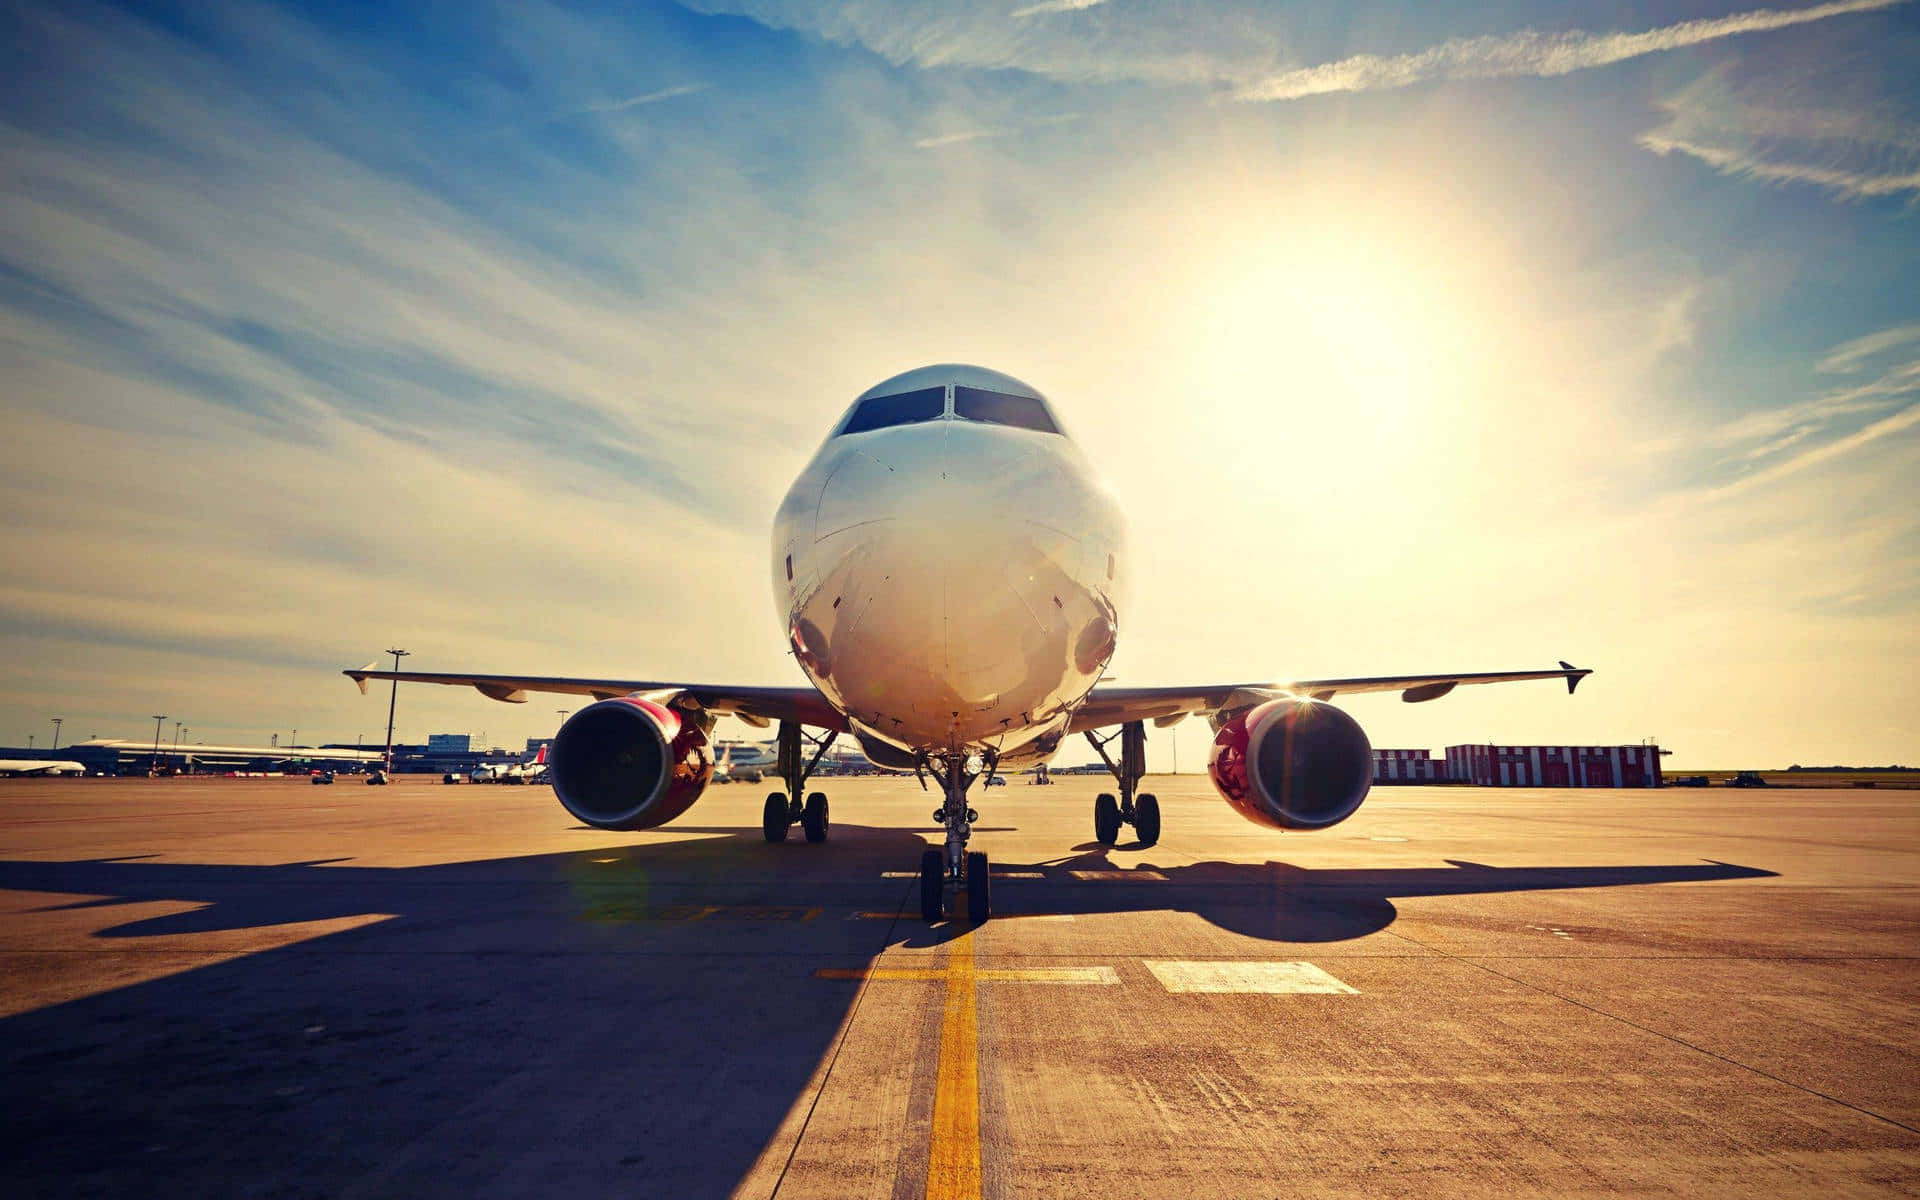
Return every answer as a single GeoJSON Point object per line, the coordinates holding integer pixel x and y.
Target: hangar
{"type": "Point", "coordinates": [1524, 766]}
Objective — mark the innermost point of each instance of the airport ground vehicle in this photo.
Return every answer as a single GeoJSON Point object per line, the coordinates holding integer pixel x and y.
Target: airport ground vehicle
{"type": "Point", "coordinates": [1689, 781]}
{"type": "Point", "coordinates": [951, 577]}
{"type": "Point", "coordinates": [376, 779]}
{"type": "Point", "coordinates": [321, 777]}
{"type": "Point", "coordinates": [1747, 779]}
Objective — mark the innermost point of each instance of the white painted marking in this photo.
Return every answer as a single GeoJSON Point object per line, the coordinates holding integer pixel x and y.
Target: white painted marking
{"type": "Point", "coordinates": [1265, 977]}
{"type": "Point", "coordinates": [899, 874]}
{"type": "Point", "coordinates": [1119, 875]}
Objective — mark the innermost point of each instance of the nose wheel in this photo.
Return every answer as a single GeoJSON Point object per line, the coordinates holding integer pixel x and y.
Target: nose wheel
{"type": "Point", "coordinates": [953, 865]}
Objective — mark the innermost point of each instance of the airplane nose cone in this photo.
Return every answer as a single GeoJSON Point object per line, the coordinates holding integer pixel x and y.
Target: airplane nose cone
{"type": "Point", "coordinates": [955, 600]}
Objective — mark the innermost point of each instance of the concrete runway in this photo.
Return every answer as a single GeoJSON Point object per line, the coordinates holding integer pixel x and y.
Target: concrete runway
{"type": "Point", "coordinates": [261, 987]}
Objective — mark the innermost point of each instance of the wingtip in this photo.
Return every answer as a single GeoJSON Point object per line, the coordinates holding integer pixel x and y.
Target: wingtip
{"type": "Point", "coordinates": [1576, 674]}
{"type": "Point", "coordinates": [359, 677]}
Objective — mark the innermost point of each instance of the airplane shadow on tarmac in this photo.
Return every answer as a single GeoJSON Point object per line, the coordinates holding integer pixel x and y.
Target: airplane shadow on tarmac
{"type": "Point", "coordinates": [640, 1018]}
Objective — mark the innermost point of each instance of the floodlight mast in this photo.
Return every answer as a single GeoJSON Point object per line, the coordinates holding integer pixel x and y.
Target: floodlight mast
{"type": "Point", "coordinates": [393, 698]}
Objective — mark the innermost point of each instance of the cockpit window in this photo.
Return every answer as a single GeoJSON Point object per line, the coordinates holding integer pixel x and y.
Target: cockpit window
{"type": "Point", "coordinates": [901, 408]}
{"type": "Point", "coordinates": [999, 408]}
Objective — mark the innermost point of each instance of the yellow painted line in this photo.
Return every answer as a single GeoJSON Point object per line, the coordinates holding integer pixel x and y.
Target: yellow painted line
{"type": "Point", "coordinates": [953, 1159]}
{"type": "Point", "coordinates": [1019, 875]}
{"type": "Point", "coordinates": [1143, 873]}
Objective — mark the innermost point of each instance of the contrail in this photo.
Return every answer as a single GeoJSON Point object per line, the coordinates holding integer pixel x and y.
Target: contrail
{"type": "Point", "coordinates": [1530, 53]}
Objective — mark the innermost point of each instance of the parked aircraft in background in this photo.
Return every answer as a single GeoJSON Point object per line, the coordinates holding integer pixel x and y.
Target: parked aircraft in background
{"type": "Point", "coordinates": [525, 771]}
{"type": "Point", "coordinates": [952, 578]}
{"type": "Point", "coordinates": [741, 762]}
{"type": "Point", "coordinates": [40, 766]}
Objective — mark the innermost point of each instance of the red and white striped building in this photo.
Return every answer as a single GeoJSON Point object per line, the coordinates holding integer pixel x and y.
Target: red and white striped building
{"type": "Point", "coordinates": [1555, 766]}
{"type": "Point", "coordinates": [1408, 766]}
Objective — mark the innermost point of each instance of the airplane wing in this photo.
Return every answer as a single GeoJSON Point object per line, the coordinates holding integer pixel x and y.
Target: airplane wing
{"type": "Point", "coordinates": [1114, 705]}
{"type": "Point", "coordinates": [755, 705]}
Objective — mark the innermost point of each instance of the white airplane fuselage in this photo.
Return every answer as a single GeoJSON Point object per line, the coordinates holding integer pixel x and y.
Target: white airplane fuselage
{"type": "Point", "coordinates": [952, 585]}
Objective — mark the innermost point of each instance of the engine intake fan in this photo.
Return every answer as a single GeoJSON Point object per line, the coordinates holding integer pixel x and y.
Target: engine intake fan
{"type": "Point", "coordinates": [1292, 764]}
{"type": "Point", "coordinates": [629, 763]}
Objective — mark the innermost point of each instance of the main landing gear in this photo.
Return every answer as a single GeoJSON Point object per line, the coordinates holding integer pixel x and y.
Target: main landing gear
{"type": "Point", "coordinates": [785, 809]}
{"type": "Point", "coordinates": [954, 864]}
{"type": "Point", "coordinates": [1141, 811]}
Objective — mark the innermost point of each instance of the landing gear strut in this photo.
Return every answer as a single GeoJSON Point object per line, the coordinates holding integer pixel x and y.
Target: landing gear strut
{"type": "Point", "coordinates": [1141, 811]}
{"type": "Point", "coordinates": [785, 809]}
{"type": "Point", "coordinates": [954, 864]}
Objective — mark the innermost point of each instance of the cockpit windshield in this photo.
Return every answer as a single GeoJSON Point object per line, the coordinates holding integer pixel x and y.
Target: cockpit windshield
{"type": "Point", "coordinates": [901, 408]}
{"type": "Point", "coordinates": [1001, 408]}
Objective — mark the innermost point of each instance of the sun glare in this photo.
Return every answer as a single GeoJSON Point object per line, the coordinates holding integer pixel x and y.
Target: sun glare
{"type": "Point", "coordinates": [1322, 341]}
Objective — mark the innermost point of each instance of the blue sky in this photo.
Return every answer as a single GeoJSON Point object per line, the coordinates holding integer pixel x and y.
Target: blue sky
{"type": "Point", "coordinates": [1413, 337]}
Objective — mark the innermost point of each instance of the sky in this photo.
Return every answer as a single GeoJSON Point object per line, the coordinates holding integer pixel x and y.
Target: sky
{"type": "Point", "coordinates": [1412, 338]}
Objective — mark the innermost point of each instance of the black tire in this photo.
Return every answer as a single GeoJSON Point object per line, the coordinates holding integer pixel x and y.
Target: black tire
{"type": "Point", "coordinates": [933, 885]}
{"type": "Point", "coordinates": [979, 882]}
{"type": "Point", "coordinates": [773, 818]}
{"type": "Point", "coordinates": [1146, 818]}
{"type": "Point", "coordinates": [1106, 819]}
{"type": "Point", "coordinates": [813, 818]}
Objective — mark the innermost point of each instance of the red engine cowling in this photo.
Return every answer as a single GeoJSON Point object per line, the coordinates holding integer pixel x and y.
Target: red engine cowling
{"type": "Point", "coordinates": [629, 764]}
{"type": "Point", "coordinates": [1292, 764]}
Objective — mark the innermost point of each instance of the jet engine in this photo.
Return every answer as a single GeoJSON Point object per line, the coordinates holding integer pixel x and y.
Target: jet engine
{"type": "Point", "coordinates": [629, 763]}
{"type": "Point", "coordinates": [1292, 764]}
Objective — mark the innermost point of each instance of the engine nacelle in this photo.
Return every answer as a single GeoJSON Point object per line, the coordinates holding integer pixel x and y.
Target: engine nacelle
{"type": "Point", "coordinates": [629, 764]}
{"type": "Point", "coordinates": [1292, 764]}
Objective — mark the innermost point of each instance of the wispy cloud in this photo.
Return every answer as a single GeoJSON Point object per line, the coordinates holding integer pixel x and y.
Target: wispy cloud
{"type": "Point", "coordinates": [607, 106]}
{"type": "Point", "coordinates": [1851, 356]}
{"type": "Point", "coordinates": [1053, 6]}
{"type": "Point", "coordinates": [1842, 123]}
{"type": "Point", "coordinates": [974, 135]}
{"type": "Point", "coordinates": [1530, 53]}
{"type": "Point", "coordinates": [1773, 443]}
{"type": "Point", "coordinates": [954, 139]}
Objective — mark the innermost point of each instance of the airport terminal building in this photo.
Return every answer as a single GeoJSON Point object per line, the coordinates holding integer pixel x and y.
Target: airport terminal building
{"type": "Point", "coordinates": [1524, 766]}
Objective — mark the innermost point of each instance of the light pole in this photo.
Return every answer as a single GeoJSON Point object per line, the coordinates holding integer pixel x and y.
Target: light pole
{"type": "Point", "coordinates": [393, 698]}
{"type": "Point", "coordinates": [153, 765]}
{"type": "Point", "coordinates": [56, 731]}
{"type": "Point", "coordinates": [177, 727]}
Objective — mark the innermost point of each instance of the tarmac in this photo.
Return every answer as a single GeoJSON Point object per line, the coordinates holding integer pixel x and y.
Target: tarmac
{"type": "Point", "coordinates": [267, 988]}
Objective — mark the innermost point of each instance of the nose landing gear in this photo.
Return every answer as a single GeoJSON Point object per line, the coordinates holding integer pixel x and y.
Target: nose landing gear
{"type": "Point", "coordinates": [954, 864]}
{"type": "Point", "coordinates": [1141, 811]}
{"type": "Point", "coordinates": [785, 809]}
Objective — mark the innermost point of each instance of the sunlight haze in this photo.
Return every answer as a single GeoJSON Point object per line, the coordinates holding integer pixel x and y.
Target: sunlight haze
{"type": "Point", "coordinates": [1409, 340]}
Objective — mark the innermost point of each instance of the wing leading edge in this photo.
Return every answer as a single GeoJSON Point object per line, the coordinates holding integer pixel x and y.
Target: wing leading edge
{"type": "Point", "coordinates": [1113, 705]}
{"type": "Point", "coordinates": [756, 705]}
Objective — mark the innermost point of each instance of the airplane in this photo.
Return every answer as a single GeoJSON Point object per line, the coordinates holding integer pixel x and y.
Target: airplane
{"type": "Point", "coordinates": [524, 771]}
{"type": "Point", "coordinates": [741, 762]}
{"type": "Point", "coordinates": [952, 577]}
{"type": "Point", "coordinates": [40, 766]}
